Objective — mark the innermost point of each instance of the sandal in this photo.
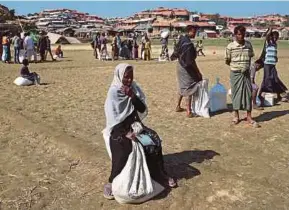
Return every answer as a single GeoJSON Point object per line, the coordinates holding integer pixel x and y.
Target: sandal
{"type": "Point", "coordinates": [254, 124]}
{"type": "Point", "coordinates": [236, 121]}
{"type": "Point", "coordinates": [172, 183]}
{"type": "Point", "coordinates": [107, 192]}
{"type": "Point", "coordinates": [285, 100]}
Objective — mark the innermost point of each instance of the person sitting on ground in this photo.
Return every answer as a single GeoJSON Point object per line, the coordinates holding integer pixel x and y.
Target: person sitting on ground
{"type": "Point", "coordinates": [25, 73]}
{"type": "Point", "coordinates": [59, 52]}
{"type": "Point", "coordinates": [125, 108]}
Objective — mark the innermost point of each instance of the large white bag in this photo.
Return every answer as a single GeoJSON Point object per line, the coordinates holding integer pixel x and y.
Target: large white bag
{"type": "Point", "coordinates": [218, 97]}
{"type": "Point", "coordinates": [165, 34]}
{"type": "Point", "coordinates": [134, 183]}
{"type": "Point", "coordinates": [22, 55]}
{"type": "Point", "coordinates": [200, 101]}
{"type": "Point", "coordinates": [20, 81]}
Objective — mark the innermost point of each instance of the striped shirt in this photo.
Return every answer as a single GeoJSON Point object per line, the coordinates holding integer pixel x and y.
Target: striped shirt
{"type": "Point", "coordinates": [271, 54]}
{"type": "Point", "coordinates": [239, 56]}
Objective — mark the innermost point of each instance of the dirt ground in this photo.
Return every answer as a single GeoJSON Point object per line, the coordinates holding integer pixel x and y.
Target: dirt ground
{"type": "Point", "coordinates": [52, 153]}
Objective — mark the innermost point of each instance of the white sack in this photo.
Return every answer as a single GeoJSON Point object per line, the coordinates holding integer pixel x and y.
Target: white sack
{"type": "Point", "coordinates": [200, 101]}
{"type": "Point", "coordinates": [20, 81]}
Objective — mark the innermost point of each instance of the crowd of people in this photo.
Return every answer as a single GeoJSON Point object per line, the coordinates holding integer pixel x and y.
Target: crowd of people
{"type": "Point", "coordinates": [126, 49]}
{"type": "Point", "coordinates": [26, 47]}
{"type": "Point", "coordinates": [125, 105]}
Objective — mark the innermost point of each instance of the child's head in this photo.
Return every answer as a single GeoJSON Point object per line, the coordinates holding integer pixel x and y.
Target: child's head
{"type": "Point", "coordinates": [25, 62]}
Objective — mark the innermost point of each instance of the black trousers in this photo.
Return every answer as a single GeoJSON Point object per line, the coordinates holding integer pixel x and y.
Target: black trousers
{"type": "Point", "coordinates": [121, 150]}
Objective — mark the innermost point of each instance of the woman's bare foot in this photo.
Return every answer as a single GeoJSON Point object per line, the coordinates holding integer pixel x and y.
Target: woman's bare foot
{"type": "Point", "coordinates": [179, 109]}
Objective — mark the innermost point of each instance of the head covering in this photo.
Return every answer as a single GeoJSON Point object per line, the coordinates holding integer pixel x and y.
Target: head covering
{"type": "Point", "coordinates": [118, 106]}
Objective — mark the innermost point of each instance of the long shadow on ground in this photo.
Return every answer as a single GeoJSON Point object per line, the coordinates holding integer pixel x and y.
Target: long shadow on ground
{"type": "Point", "coordinates": [178, 165]}
{"type": "Point", "coordinates": [267, 116]}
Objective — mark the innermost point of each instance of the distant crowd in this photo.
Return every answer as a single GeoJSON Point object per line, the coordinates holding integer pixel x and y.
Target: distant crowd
{"type": "Point", "coordinates": [25, 47]}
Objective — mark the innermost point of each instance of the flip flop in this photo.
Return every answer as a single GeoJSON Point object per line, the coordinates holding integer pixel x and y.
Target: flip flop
{"type": "Point", "coordinates": [235, 121]}
{"type": "Point", "coordinates": [172, 183]}
{"type": "Point", "coordinates": [107, 192]}
{"type": "Point", "coordinates": [285, 100]}
{"type": "Point", "coordinates": [254, 124]}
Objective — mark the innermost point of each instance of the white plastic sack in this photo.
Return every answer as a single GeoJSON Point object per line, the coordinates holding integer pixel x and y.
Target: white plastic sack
{"type": "Point", "coordinates": [134, 183]}
{"type": "Point", "coordinates": [22, 55]}
{"type": "Point", "coordinates": [200, 101]}
{"type": "Point", "coordinates": [106, 137]}
{"type": "Point", "coordinates": [165, 34]}
{"type": "Point", "coordinates": [20, 81]}
{"type": "Point", "coordinates": [218, 97]}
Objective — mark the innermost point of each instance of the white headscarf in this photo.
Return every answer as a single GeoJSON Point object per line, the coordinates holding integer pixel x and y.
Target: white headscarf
{"type": "Point", "coordinates": [118, 106]}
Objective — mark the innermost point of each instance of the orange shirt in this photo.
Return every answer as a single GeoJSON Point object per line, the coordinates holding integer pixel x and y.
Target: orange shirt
{"type": "Point", "coordinates": [4, 40]}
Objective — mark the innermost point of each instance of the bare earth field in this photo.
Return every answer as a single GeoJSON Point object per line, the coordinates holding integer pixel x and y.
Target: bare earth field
{"type": "Point", "coordinates": [52, 153]}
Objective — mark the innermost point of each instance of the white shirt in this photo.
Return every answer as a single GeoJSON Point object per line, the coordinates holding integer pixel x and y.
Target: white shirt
{"type": "Point", "coordinates": [28, 43]}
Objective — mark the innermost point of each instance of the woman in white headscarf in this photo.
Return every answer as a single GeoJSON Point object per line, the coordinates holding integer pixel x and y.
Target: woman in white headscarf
{"type": "Point", "coordinates": [125, 107]}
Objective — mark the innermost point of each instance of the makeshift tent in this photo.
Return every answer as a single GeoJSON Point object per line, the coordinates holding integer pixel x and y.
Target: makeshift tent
{"type": "Point", "coordinates": [58, 39]}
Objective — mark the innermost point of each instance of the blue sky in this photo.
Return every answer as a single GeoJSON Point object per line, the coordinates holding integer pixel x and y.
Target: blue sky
{"type": "Point", "coordinates": [127, 8]}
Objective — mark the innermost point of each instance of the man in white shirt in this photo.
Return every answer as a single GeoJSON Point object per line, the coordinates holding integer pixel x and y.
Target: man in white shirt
{"type": "Point", "coordinates": [29, 47]}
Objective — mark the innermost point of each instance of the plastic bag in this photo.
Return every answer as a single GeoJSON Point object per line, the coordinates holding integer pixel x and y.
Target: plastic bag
{"type": "Point", "coordinates": [165, 34]}
{"type": "Point", "coordinates": [20, 81]}
{"type": "Point", "coordinates": [200, 101]}
{"type": "Point", "coordinates": [134, 183]}
{"type": "Point", "coordinates": [218, 97]}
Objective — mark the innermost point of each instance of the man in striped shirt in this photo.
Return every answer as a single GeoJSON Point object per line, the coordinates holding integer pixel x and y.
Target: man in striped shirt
{"type": "Point", "coordinates": [238, 57]}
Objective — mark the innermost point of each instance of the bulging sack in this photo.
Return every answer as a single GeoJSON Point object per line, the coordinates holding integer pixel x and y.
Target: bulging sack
{"type": "Point", "coordinates": [200, 101]}
{"type": "Point", "coordinates": [134, 184]}
{"type": "Point", "coordinates": [165, 34]}
{"type": "Point", "coordinates": [20, 81]}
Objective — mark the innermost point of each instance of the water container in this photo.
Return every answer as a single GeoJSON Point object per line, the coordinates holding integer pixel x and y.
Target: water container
{"type": "Point", "coordinates": [269, 99]}
{"type": "Point", "coordinates": [218, 97]}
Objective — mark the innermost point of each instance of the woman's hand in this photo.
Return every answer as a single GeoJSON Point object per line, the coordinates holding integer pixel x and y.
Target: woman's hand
{"type": "Point", "coordinates": [127, 91]}
{"type": "Point", "coordinates": [131, 135]}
